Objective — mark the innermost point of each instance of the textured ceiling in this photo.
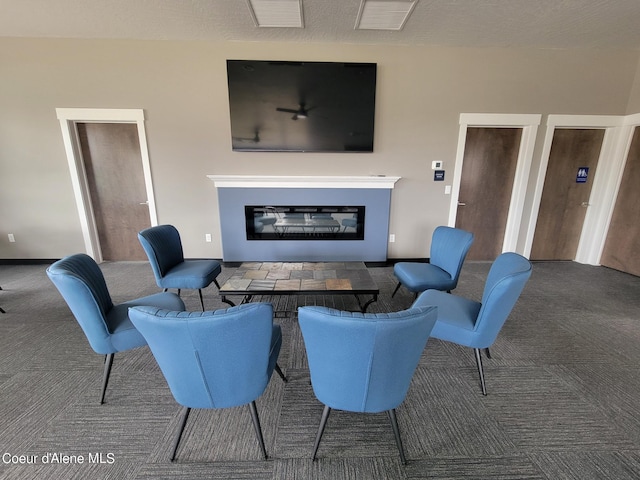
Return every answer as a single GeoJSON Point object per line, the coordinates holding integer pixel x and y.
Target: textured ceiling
{"type": "Point", "coordinates": [496, 23]}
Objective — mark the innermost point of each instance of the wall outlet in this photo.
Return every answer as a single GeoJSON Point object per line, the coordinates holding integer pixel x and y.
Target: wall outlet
{"type": "Point", "coordinates": [11, 237]}
{"type": "Point", "coordinates": [207, 237]}
{"type": "Point", "coordinates": [392, 237]}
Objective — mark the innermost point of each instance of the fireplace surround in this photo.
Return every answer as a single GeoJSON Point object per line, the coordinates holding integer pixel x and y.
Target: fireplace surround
{"type": "Point", "coordinates": [328, 218]}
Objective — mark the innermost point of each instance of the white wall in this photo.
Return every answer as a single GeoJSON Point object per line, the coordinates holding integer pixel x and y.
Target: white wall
{"type": "Point", "coordinates": [634, 97]}
{"type": "Point", "coordinates": [182, 88]}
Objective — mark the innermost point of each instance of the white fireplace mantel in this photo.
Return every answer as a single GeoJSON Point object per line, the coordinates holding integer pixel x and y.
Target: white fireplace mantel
{"type": "Point", "coordinates": [297, 181]}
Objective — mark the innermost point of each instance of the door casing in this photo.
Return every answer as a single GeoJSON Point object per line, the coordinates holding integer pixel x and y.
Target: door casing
{"type": "Point", "coordinates": [529, 125]}
{"type": "Point", "coordinates": [565, 201]}
{"type": "Point", "coordinates": [68, 118]}
{"type": "Point", "coordinates": [606, 181]}
{"type": "Point", "coordinates": [624, 233]}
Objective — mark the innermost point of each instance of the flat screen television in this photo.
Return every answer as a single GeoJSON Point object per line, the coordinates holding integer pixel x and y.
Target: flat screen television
{"type": "Point", "coordinates": [301, 106]}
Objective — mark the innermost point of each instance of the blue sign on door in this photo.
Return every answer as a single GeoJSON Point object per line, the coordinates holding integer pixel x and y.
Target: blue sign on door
{"type": "Point", "coordinates": [583, 173]}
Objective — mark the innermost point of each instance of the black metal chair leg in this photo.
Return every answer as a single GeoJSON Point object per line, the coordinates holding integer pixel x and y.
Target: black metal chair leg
{"type": "Point", "coordinates": [108, 362]}
{"type": "Point", "coordinates": [216, 283]}
{"type": "Point", "coordinates": [480, 370]}
{"type": "Point", "coordinates": [256, 426]}
{"type": "Point", "coordinates": [201, 300]}
{"type": "Point", "coordinates": [323, 423]}
{"type": "Point", "coordinates": [397, 288]}
{"type": "Point", "coordinates": [279, 372]}
{"type": "Point", "coordinates": [183, 423]}
{"type": "Point", "coordinates": [486, 350]}
{"type": "Point", "coordinates": [396, 433]}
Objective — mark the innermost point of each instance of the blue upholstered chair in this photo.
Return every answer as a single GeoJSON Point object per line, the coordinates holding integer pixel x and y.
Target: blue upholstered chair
{"type": "Point", "coordinates": [81, 283]}
{"type": "Point", "coordinates": [363, 362]}
{"type": "Point", "coordinates": [477, 324]}
{"type": "Point", "coordinates": [163, 246]}
{"type": "Point", "coordinates": [213, 359]}
{"type": "Point", "coordinates": [449, 248]}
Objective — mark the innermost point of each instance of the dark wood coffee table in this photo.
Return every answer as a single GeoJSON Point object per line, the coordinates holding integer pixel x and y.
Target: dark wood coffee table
{"type": "Point", "coordinates": [301, 278]}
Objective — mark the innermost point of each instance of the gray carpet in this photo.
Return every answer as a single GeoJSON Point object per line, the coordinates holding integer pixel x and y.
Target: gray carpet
{"type": "Point", "coordinates": [563, 387]}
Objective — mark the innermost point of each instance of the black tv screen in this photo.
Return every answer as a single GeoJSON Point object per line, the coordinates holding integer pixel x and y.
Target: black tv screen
{"type": "Point", "coordinates": [301, 106]}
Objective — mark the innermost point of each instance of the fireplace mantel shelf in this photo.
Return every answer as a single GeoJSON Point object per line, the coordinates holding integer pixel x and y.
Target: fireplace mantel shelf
{"type": "Point", "coordinates": [297, 181]}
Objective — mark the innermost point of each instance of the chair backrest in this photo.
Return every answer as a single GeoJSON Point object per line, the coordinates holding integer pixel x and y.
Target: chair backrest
{"type": "Point", "coordinates": [81, 283]}
{"type": "Point", "coordinates": [212, 359]}
{"type": "Point", "coordinates": [506, 280]}
{"type": "Point", "coordinates": [364, 362]}
{"type": "Point", "coordinates": [163, 246]}
{"type": "Point", "coordinates": [449, 248]}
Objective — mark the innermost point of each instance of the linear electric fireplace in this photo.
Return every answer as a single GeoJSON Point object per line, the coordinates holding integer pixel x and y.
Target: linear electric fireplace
{"type": "Point", "coordinates": [304, 222]}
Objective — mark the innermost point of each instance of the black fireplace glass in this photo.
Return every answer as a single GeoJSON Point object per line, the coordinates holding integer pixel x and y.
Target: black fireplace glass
{"type": "Point", "coordinates": [304, 222]}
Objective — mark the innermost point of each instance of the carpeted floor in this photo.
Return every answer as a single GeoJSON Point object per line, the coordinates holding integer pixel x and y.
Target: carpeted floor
{"type": "Point", "coordinates": [563, 387]}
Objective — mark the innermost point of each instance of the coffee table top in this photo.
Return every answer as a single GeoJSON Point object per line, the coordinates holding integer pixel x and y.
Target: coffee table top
{"type": "Point", "coordinates": [300, 277]}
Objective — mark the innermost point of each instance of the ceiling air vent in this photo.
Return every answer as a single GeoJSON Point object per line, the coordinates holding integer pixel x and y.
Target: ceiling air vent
{"type": "Point", "coordinates": [384, 14]}
{"type": "Point", "coordinates": [277, 13]}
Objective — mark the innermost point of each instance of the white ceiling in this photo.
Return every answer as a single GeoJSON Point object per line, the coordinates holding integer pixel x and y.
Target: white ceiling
{"type": "Point", "coordinates": [496, 23]}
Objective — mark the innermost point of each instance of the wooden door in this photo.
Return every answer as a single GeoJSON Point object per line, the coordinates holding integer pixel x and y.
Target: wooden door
{"type": "Point", "coordinates": [565, 195]}
{"type": "Point", "coordinates": [488, 170]}
{"type": "Point", "coordinates": [622, 246]}
{"type": "Point", "coordinates": [113, 164]}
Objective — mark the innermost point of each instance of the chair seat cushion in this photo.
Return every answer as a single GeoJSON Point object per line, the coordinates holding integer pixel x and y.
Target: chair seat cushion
{"type": "Point", "coordinates": [124, 335]}
{"type": "Point", "coordinates": [191, 274]}
{"type": "Point", "coordinates": [456, 317]}
{"type": "Point", "coordinates": [418, 277]}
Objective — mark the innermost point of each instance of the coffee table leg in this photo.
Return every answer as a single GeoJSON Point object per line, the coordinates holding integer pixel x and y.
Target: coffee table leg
{"type": "Point", "coordinates": [245, 299]}
{"type": "Point", "coordinates": [227, 301]}
{"type": "Point", "coordinates": [363, 308]}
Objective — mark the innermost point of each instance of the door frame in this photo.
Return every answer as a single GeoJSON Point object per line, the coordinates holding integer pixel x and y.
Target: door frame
{"type": "Point", "coordinates": [606, 181]}
{"type": "Point", "coordinates": [623, 145]}
{"type": "Point", "coordinates": [69, 118]}
{"type": "Point", "coordinates": [529, 125]}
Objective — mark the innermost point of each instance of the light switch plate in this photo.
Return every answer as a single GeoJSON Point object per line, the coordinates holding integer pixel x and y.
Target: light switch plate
{"type": "Point", "coordinates": [436, 165]}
